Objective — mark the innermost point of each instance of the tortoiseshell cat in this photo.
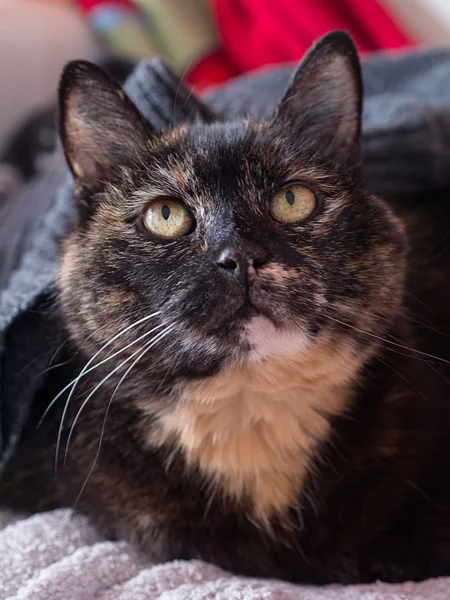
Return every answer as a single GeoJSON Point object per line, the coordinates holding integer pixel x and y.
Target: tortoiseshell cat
{"type": "Point", "coordinates": [257, 339]}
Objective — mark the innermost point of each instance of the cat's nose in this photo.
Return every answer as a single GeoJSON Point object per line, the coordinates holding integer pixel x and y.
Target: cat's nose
{"type": "Point", "coordinates": [241, 262]}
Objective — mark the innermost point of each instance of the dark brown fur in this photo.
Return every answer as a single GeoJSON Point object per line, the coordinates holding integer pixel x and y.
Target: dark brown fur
{"type": "Point", "coordinates": [367, 283]}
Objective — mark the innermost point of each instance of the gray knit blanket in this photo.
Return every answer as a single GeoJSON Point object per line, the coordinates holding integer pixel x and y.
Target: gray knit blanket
{"type": "Point", "coordinates": [406, 144]}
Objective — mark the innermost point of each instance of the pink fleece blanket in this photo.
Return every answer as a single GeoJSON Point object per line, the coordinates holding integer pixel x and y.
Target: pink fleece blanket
{"type": "Point", "coordinates": [59, 556]}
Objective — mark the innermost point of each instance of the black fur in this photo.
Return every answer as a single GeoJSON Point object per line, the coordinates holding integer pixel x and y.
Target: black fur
{"type": "Point", "coordinates": [375, 502]}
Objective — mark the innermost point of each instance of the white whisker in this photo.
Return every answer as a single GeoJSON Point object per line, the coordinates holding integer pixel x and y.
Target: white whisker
{"type": "Point", "coordinates": [147, 347]}
{"type": "Point", "coordinates": [102, 433]}
{"type": "Point", "coordinates": [86, 370]}
{"type": "Point", "coordinates": [386, 341]}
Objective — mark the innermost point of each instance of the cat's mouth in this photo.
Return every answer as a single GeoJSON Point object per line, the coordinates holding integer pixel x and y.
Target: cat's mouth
{"type": "Point", "coordinates": [238, 318]}
{"type": "Point", "coordinates": [252, 307]}
{"type": "Point", "coordinates": [247, 310]}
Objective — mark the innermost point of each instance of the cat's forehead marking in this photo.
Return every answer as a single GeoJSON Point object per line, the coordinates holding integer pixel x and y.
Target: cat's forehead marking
{"type": "Point", "coordinates": [115, 298]}
{"type": "Point", "coordinates": [180, 171]}
{"type": "Point", "coordinates": [175, 135]}
{"type": "Point", "coordinates": [252, 124]}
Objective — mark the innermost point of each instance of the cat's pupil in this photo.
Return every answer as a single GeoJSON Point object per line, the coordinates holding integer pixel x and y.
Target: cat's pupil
{"type": "Point", "coordinates": [165, 211]}
{"type": "Point", "coordinates": [290, 197]}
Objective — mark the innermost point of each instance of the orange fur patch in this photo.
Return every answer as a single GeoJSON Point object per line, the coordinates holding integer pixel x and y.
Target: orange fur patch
{"type": "Point", "coordinates": [253, 429]}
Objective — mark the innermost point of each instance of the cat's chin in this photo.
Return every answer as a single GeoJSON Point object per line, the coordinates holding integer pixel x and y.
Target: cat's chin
{"type": "Point", "coordinates": [264, 339]}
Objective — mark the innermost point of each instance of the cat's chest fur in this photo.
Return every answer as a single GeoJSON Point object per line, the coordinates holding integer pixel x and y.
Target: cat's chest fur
{"type": "Point", "coordinates": [252, 429]}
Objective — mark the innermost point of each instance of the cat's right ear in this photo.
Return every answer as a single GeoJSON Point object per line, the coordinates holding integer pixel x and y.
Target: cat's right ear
{"type": "Point", "coordinates": [100, 127]}
{"type": "Point", "coordinates": [323, 102]}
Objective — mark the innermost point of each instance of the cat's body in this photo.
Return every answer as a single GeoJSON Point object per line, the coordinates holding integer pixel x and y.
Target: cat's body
{"type": "Point", "coordinates": [292, 418]}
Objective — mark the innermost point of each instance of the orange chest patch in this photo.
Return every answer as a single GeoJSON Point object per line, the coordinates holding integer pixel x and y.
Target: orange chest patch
{"type": "Point", "coordinates": [253, 429]}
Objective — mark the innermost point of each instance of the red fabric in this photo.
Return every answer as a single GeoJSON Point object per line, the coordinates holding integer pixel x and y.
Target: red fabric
{"type": "Point", "coordinates": [212, 69]}
{"type": "Point", "coordinates": [263, 32]}
{"type": "Point", "coordinates": [88, 5]}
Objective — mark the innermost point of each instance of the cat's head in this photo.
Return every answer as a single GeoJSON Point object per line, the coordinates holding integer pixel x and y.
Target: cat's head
{"type": "Point", "coordinates": [243, 239]}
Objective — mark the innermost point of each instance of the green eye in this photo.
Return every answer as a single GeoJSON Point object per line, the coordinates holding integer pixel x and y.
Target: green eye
{"type": "Point", "coordinates": [168, 218]}
{"type": "Point", "coordinates": [293, 204]}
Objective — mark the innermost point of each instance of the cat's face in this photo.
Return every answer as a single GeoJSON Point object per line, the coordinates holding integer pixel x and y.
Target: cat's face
{"type": "Point", "coordinates": [244, 240]}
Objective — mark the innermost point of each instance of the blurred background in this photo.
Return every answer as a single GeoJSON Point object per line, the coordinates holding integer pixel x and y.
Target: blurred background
{"type": "Point", "coordinates": [205, 41]}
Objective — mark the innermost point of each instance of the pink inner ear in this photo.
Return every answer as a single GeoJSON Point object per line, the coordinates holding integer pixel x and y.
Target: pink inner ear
{"type": "Point", "coordinates": [100, 125]}
{"type": "Point", "coordinates": [101, 128]}
{"type": "Point", "coordinates": [85, 168]}
{"type": "Point", "coordinates": [82, 144]}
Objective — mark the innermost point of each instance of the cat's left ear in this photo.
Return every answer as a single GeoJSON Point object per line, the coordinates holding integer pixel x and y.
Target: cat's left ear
{"type": "Point", "coordinates": [100, 127]}
{"type": "Point", "coordinates": [323, 102]}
